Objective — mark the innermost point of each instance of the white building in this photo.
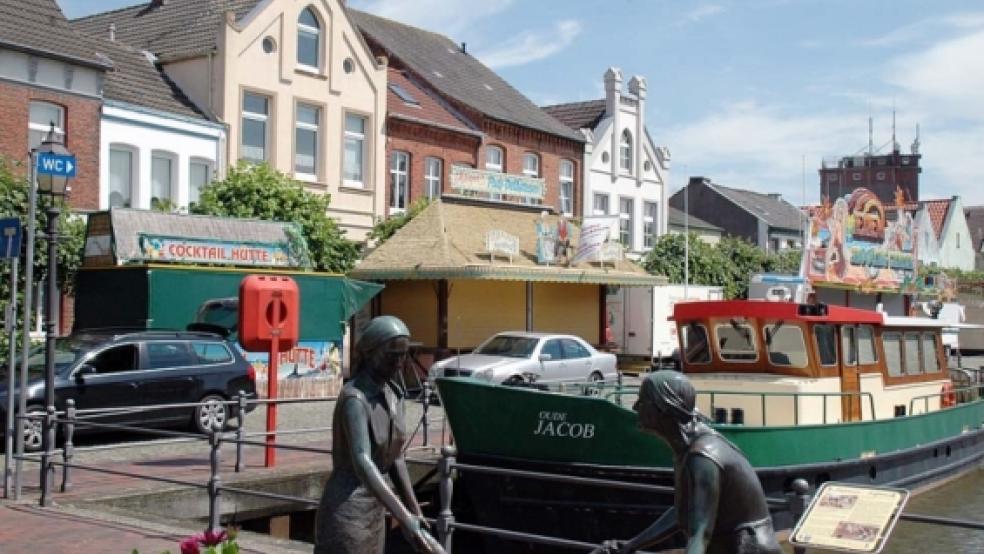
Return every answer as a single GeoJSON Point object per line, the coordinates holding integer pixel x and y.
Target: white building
{"type": "Point", "coordinates": [625, 172]}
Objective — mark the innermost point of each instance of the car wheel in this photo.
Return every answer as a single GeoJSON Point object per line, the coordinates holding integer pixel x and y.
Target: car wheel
{"type": "Point", "coordinates": [34, 429]}
{"type": "Point", "coordinates": [514, 381]}
{"type": "Point", "coordinates": [211, 411]}
{"type": "Point", "coordinates": [596, 377]}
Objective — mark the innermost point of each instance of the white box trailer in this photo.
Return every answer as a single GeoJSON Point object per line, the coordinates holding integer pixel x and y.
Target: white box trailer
{"type": "Point", "coordinates": [638, 319]}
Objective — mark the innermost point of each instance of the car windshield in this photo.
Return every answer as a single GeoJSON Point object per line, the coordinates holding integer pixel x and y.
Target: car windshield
{"type": "Point", "coordinates": [67, 351]}
{"type": "Point", "coordinates": [507, 346]}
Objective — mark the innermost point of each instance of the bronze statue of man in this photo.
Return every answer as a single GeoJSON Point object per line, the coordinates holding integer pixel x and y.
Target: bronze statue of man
{"type": "Point", "coordinates": [719, 504]}
{"type": "Point", "coordinates": [368, 435]}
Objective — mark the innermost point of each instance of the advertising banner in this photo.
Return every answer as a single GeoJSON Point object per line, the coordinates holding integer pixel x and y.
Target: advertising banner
{"type": "Point", "coordinates": [155, 248]}
{"type": "Point", "coordinates": [466, 179]}
{"type": "Point", "coordinates": [595, 232]}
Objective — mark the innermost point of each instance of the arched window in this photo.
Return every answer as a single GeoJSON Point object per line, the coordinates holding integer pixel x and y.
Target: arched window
{"type": "Point", "coordinates": [625, 152]}
{"type": "Point", "coordinates": [494, 159]}
{"type": "Point", "coordinates": [308, 40]}
{"type": "Point", "coordinates": [531, 165]}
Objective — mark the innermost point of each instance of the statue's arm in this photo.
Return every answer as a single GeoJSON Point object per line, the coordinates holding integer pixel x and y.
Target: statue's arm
{"type": "Point", "coordinates": [662, 529]}
{"type": "Point", "coordinates": [356, 428]}
{"type": "Point", "coordinates": [705, 493]}
{"type": "Point", "coordinates": [401, 480]}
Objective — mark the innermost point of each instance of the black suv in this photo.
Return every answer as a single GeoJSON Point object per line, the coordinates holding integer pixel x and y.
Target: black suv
{"type": "Point", "coordinates": [107, 369]}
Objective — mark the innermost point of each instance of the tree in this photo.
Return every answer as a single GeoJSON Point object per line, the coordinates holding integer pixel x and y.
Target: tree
{"type": "Point", "coordinates": [386, 228]}
{"type": "Point", "coordinates": [14, 189]}
{"type": "Point", "coordinates": [258, 191]}
{"type": "Point", "coordinates": [667, 258]}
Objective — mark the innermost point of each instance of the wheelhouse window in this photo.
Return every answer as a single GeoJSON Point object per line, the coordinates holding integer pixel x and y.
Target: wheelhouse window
{"type": "Point", "coordinates": [892, 345]}
{"type": "Point", "coordinates": [866, 345]}
{"type": "Point", "coordinates": [931, 363]}
{"type": "Point", "coordinates": [567, 187]}
{"type": "Point", "coordinates": [736, 342]}
{"type": "Point", "coordinates": [308, 40]}
{"type": "Point", "coordinates": [306, 129]}
{"type": "Point", "coordinates": [849, 345]}
{"type": "Point", "coordinates": [912, 362]}
{"type": "Point", "coordinates": [399, 180]}
{"type": "Point", "coordinates": [625, 152]}
{"type": "Point", "coordinates": [120, 176]}
{"type": "Point", "coordinates": [355, 149]}
{"type": "Point", "coordinates": [696, 348]}
{"type": "Point", "coordinates": [256, 113]}
{"type": "Point", "coordinates": [826, 338]}
{"type": "Point", "coordinates": [433, 170]}
{"type": "Point", "coordinates": [785, 344]}
{"type": "Point", "coordinates": [41, 116]}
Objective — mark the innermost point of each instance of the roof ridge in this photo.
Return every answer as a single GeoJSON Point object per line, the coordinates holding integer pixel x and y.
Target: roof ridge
{"type": "Point", "coordinates": [562, 104]}
{"type": "Point", "coordinates": [399, 23]}
{"type": "Point", "coordinates": [108, 12]}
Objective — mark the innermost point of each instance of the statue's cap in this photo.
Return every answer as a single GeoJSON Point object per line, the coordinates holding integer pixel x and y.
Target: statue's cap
{"type": "Point", "coordinates": [380, 330]}
{"type": "Point", "coordinates": [672, 392]}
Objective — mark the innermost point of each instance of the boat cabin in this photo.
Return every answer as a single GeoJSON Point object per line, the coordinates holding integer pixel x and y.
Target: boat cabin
{"type": "Point", "coordinates": [757, 362]}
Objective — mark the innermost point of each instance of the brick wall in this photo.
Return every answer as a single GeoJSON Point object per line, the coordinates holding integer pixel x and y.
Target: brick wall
{"type": "Point", "coordinates": [81, 135]}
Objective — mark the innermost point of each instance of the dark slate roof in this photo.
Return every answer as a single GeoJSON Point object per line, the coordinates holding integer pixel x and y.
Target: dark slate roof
{"type": "Point", "coordinates": [975, 221]}
{"type": "Point", "coordinates": [578, 115]}
{"type": "Point", "coordinates": [176, 29]}
{"type": "Point", "coordinates": [676, 219]}
{"type": "Point", "coordinates": [439, 60]}
{"type": "Point", "coordinates": [136, 79]}
{"type": "Point", "coordinates": [39, 26]}
{"type": "Point", "coordinates": [775, 211]}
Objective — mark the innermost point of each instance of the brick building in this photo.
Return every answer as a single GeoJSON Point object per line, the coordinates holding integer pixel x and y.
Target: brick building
{"type": "Point", "coordinates": [450, 119]}
{"type": "Point", "coordinates": [879, 173]}
{"type": "Point", "coordinates": [50, 74]}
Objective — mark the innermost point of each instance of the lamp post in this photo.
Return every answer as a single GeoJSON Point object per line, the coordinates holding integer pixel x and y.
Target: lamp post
{"type": "Point", "coordinates": [54, 186]}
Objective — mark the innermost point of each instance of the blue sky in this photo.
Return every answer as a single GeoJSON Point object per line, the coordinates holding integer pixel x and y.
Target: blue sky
{"type": "Point", "coordinates": [744, 91]}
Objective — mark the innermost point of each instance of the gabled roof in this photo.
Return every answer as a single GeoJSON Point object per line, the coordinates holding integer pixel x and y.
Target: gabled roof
{"type": "Point", "coordinates": [456, 75]}
{"type": "Point", "coordinates": [937, 210]}
{"type": "Point", "coordinates": [136, 79]}
{"type": "Point", "coordinates": [975, 222]}
{"type": "Point", "coordinates": [172, 29]}
{"type": "Point", "coordinates": [447, 240]}
{"type": "Point", "coordinates": [676, 218]}
{"type": "Point", "coordinates": [772, 209]}
{"type": "Point", "coordinates": [39, 26]}
{"type": "Point", "coordinates": [578, 115]}
{"type": "Point", "coordinates": [421, 105]}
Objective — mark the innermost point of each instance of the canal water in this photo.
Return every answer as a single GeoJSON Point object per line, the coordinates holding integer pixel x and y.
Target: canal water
{"type": "Point", "coordinates": [960, 499]}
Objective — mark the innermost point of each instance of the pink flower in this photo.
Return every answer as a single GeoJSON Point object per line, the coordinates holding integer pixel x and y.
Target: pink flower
{"type": "Point", "coordinates": [212, 537]}
{"type": "Point", "coordinates": [190, 545]}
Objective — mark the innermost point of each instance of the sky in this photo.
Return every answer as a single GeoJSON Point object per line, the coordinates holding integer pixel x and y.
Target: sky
{"type": "Point", "coordinates": [753, 94]}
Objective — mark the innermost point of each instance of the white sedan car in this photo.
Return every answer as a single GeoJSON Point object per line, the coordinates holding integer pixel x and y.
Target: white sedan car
{"type": "Point", "coordinates": [515, 357]}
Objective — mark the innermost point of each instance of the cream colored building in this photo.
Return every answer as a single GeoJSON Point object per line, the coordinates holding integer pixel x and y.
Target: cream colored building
{"type": "Point", "coordinates": [294, 82]}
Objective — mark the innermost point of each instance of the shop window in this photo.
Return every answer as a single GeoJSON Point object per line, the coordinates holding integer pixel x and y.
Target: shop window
{"type": "Point", "coordinates": [355, 150]}
{"type": "Point", "coordinates": [121, 176]}
{"type": "Point", "coordinates": [42, 115]}
{"type": "Point", "coordinates": [308, 40]}
{"type": "Point", "coordinates": [567, 187]}
{"type": "Point", "coordinates": [433, 171]}
{"type": "Point", "coordinates": [785, 344]}
{"type": "Point", "coordinates": [306, 131]}
{"type": "Point", "coordinates": [256, 115]}
{"type": "Point", "coordinates": [696, 347]}
{"type": "Point", "coordinates": [399, 180]}
{"type": "Point", "coordinates": [736, 342]}
{"type": "Point", "coordinates": [826, 338]}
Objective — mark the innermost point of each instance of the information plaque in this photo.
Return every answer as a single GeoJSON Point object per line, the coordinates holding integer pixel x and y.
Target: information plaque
{"type": "Point", "coordinates": [849, 518]}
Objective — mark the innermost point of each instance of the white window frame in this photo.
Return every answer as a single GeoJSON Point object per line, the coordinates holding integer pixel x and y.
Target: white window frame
{"type": "Point", "coordinates": [625, 153]}
{"type": "Point", "coordinates": [531, 164]}
{"type": "Point", "coordinates": [303, 29]}
{"type": "Point", "coordinates": [624, 217]}
{"type": "Point", "coordinates": [399, 181]}
{"type": "Point", "coordinates": [209, 176]}
{"type": "Point", "coordinates": [172, 161]}
{"type": "Point", "coordinates": [650, 231]}
{"type": "Point", "coordinates": [607, 202]}
{"type": "Point", "coordinates": [433, 179]}
{"type": "Point", "coordinates": [134, 180]}
{"type": "Point", "coordinates": [498, 165]}
{"type": "Point", "coordinates": [316, 129]}
{"type": "Point", "coordinates": [359, 138]}
{"type": "Point", "coordinates": [263, 118]}
{"type": "Point", "coordinates": [44, 127]}
{"type": "Point", "coordinates": [566, 179]}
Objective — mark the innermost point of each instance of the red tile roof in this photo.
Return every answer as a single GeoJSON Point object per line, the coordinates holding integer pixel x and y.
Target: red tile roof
{"type": "Point", "coordinates": [428, 107]}
{"type": "Point", "coordinates": [938, 210]}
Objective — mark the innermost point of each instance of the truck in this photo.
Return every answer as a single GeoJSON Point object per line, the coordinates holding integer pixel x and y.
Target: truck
{"type": "Point", "coordinates": [639, 329]}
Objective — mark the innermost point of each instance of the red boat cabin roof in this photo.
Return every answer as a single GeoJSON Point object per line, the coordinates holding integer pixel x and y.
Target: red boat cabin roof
{"type": "Point", "coordinates": [766, 309]}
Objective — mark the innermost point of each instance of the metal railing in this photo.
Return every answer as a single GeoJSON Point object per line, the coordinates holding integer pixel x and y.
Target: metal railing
{"type": "Point", "coordinates": [925, 398]}
{"type": "Point", "coordinates": [796, 398]}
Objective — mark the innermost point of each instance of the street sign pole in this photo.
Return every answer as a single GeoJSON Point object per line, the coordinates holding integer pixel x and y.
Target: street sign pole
{"type": "Point", "coordinates": [32, 196]}
{"type": "Point", "coordinates": [10, 325]}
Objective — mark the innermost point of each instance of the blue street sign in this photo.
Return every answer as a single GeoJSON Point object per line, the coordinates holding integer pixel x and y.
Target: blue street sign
{"type": "Point", "coordinates": [10, 237]}
{"type": "Point", "coordinates": [54, 164]}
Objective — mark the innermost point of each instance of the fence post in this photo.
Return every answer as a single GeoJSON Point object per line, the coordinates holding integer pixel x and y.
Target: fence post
{"type": "Point", "coordinates": [214, 483]}
{"type": "Point", "coordinates": [427, 400]}
{"type": "Point", "coordinates": [797, 505]}
{"type": "Point", "coordinates": [47, 469]}
{"type": "Point", "coordinates": [618, 382]}
{"type": "Point", "coordinates": [445, 519]}
{"type": "Point", "coordinates": [240, 431]}
{"type": "Point", "coordinates": [69, 451]}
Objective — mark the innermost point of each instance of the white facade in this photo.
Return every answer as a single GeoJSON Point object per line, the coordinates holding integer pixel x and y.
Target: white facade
{"type": "Point", "coordinates": [147, 154]}
{"type": "Point", "coordinates": [956, 243]}
{"type": "Point", "coordinates": [625, 173]}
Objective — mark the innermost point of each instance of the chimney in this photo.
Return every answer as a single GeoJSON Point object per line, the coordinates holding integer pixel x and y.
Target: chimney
{"type": "Point", "coordinates": [774, 195]}
{"type": "Point", "coordinates": [112, 32]}
{"type": "Point", "coordinates": [158, 3]}
{"type": "Point", "coordinates": [464, 47]}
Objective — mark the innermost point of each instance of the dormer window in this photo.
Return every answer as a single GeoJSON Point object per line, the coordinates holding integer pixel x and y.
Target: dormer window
{"type": "Point", "coordinates": [308, 40]}
{"type": "Point", "coordinates": [625, 152]}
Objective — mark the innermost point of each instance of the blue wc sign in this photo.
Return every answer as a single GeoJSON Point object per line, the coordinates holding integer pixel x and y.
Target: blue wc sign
{"type": "Point", "coordinates": [56, 164]}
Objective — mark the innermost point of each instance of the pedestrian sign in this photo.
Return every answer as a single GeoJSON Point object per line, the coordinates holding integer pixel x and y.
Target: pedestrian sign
{"type": "Point", "coordinates": [10, 237]}
{"type": "Point", "coordinates": [56, 164]}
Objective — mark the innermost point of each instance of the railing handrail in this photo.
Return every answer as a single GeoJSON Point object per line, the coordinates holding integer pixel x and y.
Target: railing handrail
{"type": "Point", "coordinates": [926, 397]}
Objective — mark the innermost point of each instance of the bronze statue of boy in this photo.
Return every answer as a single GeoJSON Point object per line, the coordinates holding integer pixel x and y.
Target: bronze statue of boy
{"type": "Point", "coordinates": [368, 435]}
{"type": "Point", "coordinates": [719, 504]}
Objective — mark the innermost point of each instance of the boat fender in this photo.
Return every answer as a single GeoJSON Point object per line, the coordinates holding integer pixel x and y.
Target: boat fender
{"type": "Point", "coordinates": [948, 397]}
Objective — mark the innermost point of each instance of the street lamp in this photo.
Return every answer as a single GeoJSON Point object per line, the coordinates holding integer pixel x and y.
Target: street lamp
{"type": "Point", "coordinates": [54, 186]}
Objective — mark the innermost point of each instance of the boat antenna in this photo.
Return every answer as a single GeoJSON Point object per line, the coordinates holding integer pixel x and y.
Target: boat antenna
{"type": "Point", "coordinates": [686, 235]}
{"type": "Point", "coordinates": [871, 133]}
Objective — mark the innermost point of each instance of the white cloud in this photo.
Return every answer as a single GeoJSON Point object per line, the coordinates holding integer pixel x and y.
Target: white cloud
{"type": "Point", "coordinates": [447, 17]}
{"type": "Point", "coordinates": [925, 29]}
{"type": "Point", "coordinates": [530, 46]}
{"type": "Point", "coordinates": [701, 12]}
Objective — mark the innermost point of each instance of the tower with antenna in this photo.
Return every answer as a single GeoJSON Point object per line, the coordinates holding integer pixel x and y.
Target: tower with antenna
{"type": "Point", "coordinates": [880, 169]}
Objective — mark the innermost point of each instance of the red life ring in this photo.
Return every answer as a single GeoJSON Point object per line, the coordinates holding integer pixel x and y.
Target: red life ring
{"type": "Point", "coordinates": [948, 397]}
